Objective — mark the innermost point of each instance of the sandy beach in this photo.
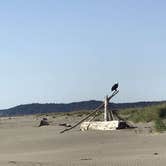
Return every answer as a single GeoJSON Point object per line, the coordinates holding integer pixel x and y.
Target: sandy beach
{"type": "Point", "coordinates": [24, 144]}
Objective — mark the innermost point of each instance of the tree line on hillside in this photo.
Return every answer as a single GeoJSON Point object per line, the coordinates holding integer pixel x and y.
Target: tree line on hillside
{"type": "Point", "coordinates": [37, 108]}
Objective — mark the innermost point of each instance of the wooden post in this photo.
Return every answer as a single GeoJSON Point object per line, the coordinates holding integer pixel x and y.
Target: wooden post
{"type": "Point", "coordinates": [106, 109]}
{"type": "Point", "coordinates": [112, 115]}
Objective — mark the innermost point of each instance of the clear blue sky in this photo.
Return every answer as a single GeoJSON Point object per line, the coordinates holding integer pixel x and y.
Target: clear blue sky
{"type": "Point", "coordinates": [73, 50]}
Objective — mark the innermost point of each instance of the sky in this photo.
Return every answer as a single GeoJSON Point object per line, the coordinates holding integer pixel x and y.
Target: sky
{"type": "Point", "coordinates": [61, 51]}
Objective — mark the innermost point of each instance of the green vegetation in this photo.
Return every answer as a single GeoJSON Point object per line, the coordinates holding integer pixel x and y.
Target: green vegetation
{"type": "Point", "coordinates": [160, 125]}
{"type": "Point", "coordinates": [156, 114]}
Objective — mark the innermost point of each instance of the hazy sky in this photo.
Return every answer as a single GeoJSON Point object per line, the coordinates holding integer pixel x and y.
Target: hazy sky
{"type": "Point", "coordinates": [72, 50]}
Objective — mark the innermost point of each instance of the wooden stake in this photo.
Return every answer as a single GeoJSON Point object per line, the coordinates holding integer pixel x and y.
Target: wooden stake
{"type": "Point", "coordinates": [106, 109]}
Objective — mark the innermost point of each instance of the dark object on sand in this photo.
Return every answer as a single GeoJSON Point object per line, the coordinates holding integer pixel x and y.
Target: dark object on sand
{"type": "Point", "coordinates": [86, 159]}
{"type": "Point", "coordinates": [123, 125]}
{"type": "Point", "coordinates": [115, 87]}
{"type": "Point", "coordinates": [44, 122]}
{"type": "Point", "coordinates": [65, 124]}
{"type": "Point", "coordinates": [155, 153]}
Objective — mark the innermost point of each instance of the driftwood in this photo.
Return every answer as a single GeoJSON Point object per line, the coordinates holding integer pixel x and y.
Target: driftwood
{"type": "Point", "coordinates": [44, 122]}
{"type": "Point", "coordinates": [65, 124]}
{"type": "Point", "coordinates": [96, 110]}
{"type": "Point", "coordinates": [83, 119]}
{"type": "Point", "coordinates": [97, 114]}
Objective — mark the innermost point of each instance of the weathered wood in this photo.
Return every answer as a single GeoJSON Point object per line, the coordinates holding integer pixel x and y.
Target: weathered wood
{"type": "Point", "coordinates": [106, 118]}
{"type": "Point", "coordinates": [112, 115]}
{"type": "Point", "coordinates": [97, 114]}
{"type": "Point", "coordinates": [114, 93]}
{"type": "Point", "coordinates": [100, 125]}
{"type": "Point", "coordinates": [44, 122]}
{"type": "Point", "coordinates": [96, 110]}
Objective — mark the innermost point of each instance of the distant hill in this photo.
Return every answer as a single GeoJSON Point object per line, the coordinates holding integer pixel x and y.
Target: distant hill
{"type": "Point", "coordinates": [37, 108]}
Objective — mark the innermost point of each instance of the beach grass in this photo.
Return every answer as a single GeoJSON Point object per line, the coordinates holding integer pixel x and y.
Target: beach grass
{"type": "Point", "coordinates": [156, 114]}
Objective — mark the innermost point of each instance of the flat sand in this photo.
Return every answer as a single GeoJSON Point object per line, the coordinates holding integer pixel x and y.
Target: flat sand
{"type": "Point", "coordinates": [22, 143]}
